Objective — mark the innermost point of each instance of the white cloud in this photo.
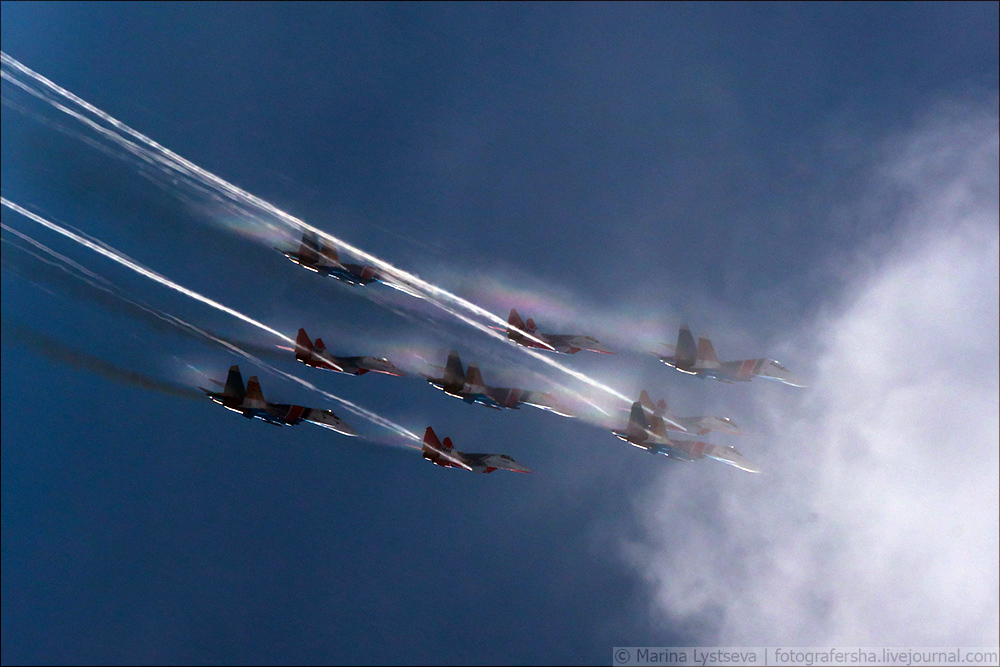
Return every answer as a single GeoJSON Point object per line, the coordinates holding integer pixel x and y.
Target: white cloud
{"type": "Point", "coordinates": [876, 522]}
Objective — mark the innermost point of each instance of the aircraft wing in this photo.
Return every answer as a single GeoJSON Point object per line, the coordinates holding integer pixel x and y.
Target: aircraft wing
{"type": "Point", "coordinates": [730, 456]}
{"type": "Point", "coordinates": [546, 401]}
{"type": "Point", "coordinates": [483, 399]}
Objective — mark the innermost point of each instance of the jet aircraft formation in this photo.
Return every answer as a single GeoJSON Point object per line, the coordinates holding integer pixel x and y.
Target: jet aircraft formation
{"type": "Point", "coordinates": [648, 422]}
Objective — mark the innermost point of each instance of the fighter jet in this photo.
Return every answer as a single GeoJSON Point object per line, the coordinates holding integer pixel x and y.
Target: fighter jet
{"type": "Point", "coordinates": [640, 433]}
{"type": "Point", "coordinates": [565, 343]}
{"type": "Point", "coordinates": [697, 425]}
{"type": "Point", "coordinates": [446, 456]}
{"type": "Point", "coordinates": [323, 259]}
{"type": "Point", "coordinates": [701, 361]}
{"type": "Point", "coordinates": [249, 402]}
{"type": "Point", "coordinates": [317, 356]}
{"type": "Point", "coordinates": [470, 387]}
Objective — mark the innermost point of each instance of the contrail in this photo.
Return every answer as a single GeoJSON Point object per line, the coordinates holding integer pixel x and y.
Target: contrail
{"type": "Point", "coordinates": [106, 294]}
{"type": "Point", "coordinates": [58, 351]}
{"type": "Point", "coordinates": [138, 268]}
{"type": "Point", "coordinates": [153, 152]}
{"type": "Point", "coordinates": [114, 255]}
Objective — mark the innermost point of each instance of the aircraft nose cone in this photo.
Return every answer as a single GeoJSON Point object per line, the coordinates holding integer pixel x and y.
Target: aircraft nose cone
{"type": "Point", "coordinates": [345, 429]}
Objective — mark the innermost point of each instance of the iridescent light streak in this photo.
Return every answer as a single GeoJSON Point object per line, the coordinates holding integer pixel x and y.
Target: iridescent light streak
{"type": "Point", "coordinates": [156, 153]}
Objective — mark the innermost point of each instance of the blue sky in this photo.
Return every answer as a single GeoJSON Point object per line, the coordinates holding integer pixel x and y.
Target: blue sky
{"type": "Point", "coordinates": [809, 182]}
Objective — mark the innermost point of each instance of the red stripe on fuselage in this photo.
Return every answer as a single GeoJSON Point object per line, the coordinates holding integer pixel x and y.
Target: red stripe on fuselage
{"type": "Point", "coordinates": [294, 413]}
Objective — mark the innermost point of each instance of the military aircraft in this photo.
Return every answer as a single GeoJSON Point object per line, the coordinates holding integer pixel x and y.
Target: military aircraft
{"type": "Point", "coordinates": [317, 356]}
{"type": "Point", "coordinates": [446, 456]}
{"type": "Point", "coordinates": [652, 437]}
{"type": "Point", "coordinates": [697, 425]}
{"type": "Point", "coordinates": [565, 343]}
{"type": "Point", "coordinates": [470, 387]}
{"type": "Point", "coordinates": [249, 401]}
{"type": "Point", "coordinates": [701, 361]}
{"type": "Point", "coordinates": [323, 259]}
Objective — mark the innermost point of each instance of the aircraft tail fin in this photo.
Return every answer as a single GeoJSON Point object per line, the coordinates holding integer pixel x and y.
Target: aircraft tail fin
{"type": "Point", "coordinates": [685, 352]}
{"type": "Point", "coordinates": [637, 424]}
{"type": "Point", "coordinates": [309, 247]}
{"type": "Point", "coordinates": [431, 442]}
{"type": "Point", "coordinates": [329, 254]}
{"type": "Point", "coordinates": [234, 384]}
{"type": "Point", "coordinates": [473, 376]}
{"type": "Point", "coordinates": [647, 402]}
{"type": "Point", "coordinates": [254, 397]}
{"type": "Point", "coordinates": [514, 324]}
{"type": "Point", "coordinates": [706, 352]}
{"type": "Point", "coordinates": [320, 345]}
{"type": "Point", "coordinates": [530, 324]}
{"type": "Point", "coordinates": [447, 445]}
{"type": "Point", "coordinates": [303, 346]}
{"type": "Point", "coordinates": [453, 372]}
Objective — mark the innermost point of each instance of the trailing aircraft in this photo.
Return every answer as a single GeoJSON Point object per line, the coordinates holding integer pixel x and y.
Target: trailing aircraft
{"type": "Point", "coordinates": [701, 361]}
{"type": "Point", "coordinates": [324, 260]}
{"type": "Point", "coordinates": [564, 343]}
{"type": "Point", "coordinates": [445, 455]}
{"type": "Point", "coordinates": [653, 438]}
{"type": "Point", "coordinates": [317, 356]}
{"type": "Point", "coordinates": [249, 401]}
{"type": "Point", "coordinates": [470, 387]}
{"type": "Point", "coordinates": [697, 425]}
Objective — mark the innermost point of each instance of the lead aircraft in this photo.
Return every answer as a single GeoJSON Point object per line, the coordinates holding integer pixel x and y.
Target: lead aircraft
{"type": "Point", "coordinates": [701, 361]}
{"type": "Point", "coordinates": [249, 401]}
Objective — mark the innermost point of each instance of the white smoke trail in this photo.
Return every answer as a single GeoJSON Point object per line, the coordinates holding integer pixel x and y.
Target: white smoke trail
{"type": "Point", "coordinates": [114, 255]}
{"type": "Point", "coordinates": [154, 153]}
